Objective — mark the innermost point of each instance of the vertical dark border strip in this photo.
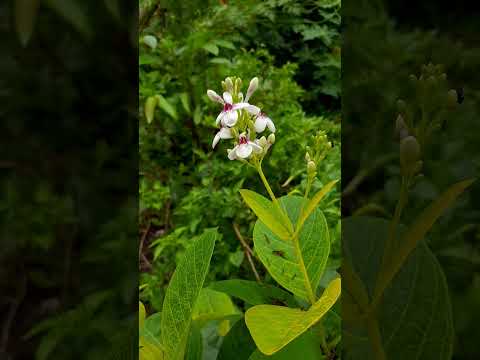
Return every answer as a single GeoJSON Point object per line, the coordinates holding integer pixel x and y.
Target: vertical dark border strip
{"type": "Point", "coordinates": [68, 179]}
{"type": "Point", "coordinates": [410, 86]}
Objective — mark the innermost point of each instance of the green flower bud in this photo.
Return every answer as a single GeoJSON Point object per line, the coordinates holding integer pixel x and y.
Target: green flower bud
{"type": "Point", "coordinates": [229, 84]}
{"type": "Point", "coordinates": [307, 157]}
{"type": "Point", "coordinates": [409, 152]}
{"type": "Point", "coordinates": [401, 129]}
{"type": "Point", "coordinates": [452, 98]}
{"type": "Point", "coordinates": [262, 141]}
{"type": "Point", "coordinates": [271, 138]}
{"type": "Point", "coordinates": [238, 84]}
{"type": "Point", "coordinates": [224, 86]}
{"type": "Point", "coordinates": [311, 167]}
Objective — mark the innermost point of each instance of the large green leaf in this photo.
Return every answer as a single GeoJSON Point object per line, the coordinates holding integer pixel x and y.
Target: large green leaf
{"type": "Point", "coordinates": [305, 347]}
{"type": "Point", "coordinates": [297, 267]}
{"type": "Point", "coordinates": [150, 347]}
{"type": "Point", "coordinates": [213, 305]}
{"type": "Point", "coordinates": [267, 213]}
{"type": "Point", "coordinates": [238, 343]}
{"type": "Point", "coordinates": [165, 105]}
{"type": "Point", "coordinates": [414, 314]}
{"type": "Point", "coordinates": [194, 346]}
{"type": "Point", "coordinates": [273, 327]}
{"type": "Point", "coordinates": [182, 294]}
{"type": "Point", "coordinates": [254, 293]}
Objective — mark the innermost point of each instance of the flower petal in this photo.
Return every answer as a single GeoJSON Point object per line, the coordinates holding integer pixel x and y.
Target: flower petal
{"type": "Point", "coordinates": [225, 133]}
{"type": "Point", "coordinates": [240, 105]}
{"type": "Point", "coordinates": [243, 151]}
{"type": "Point", "coordinates": [227, 97]}
{"type": "Point", "coordinates": [260, 123]}
{"type": "Point", "coordinates": [252, 109]}
{"type": "Point", "coordinates": [216, 139]}
{"type": "Point", "coordinates": [220, 117]}
{"type": "Point", "coordinates": [255, 147]}
{"type": "Point", "coordinates": [270, 125]}
{"type": "Point", "coordinates": [215, 97]}
{"type": "Point", "coordinates": [232, 155]}
{"type": "Point", "coordinates": [230, 118]}
{"type": "Point", "coordinates": [252, 88]}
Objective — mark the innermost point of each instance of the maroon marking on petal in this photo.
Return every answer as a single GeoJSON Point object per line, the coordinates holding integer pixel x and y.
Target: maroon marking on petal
{"type": "Point", "coordinates": [242, 140]}
{"type": "Point", "coordinates": [227, 107]}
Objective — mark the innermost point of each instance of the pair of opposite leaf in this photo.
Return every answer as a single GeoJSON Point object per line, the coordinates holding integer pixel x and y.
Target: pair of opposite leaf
{"type": "Point", "coordinates": [296, 260]}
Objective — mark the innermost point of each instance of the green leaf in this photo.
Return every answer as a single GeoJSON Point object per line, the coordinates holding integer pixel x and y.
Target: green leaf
{"type": "Point", "coordinates": [297, 267]}
{"type": "Point", "coordinates": [313, 203]}
{"type": "Point", "coordinates": [273, 327]}
{"type": "Point", "coordinates": [414, 314]}
{"type": "Point", "coordinates": [266, 213]}
{"type": "Point", "coordinates": [195, 347]}
{"type": "Point", "coordinates": [166, 106]}
{"type": "Point", "coordinates": [211, 48]}
{"type": "Point", "coordinates": [25, 18]}
{"type": "Point", "coordinates": [305, 347]}
{"type": "Point", "coordinates": [141, 314]}
{"type": "Point", "coordinates": [213, 305]}
{"type": "Point", "coordinates": [149, 108]}
{"type": "Point", "coordinates": [419, 229]}
{"type": "Point", "coordinates": [254, 293]}
{"type": "Point", "coordinates": [72, 12]}
{"type": "Point", "coordinates": [182, 294]}
{"type": "Point", "coordinates": [236, 258]}
{"type": "Point", "coordinates": [150, 347]}
{"type": "Point", "coordinates": [238, 344]}
{"type": "Point", "coordinates": [225, 43]}
{"type": "Point", "coordinates": [185, 102]}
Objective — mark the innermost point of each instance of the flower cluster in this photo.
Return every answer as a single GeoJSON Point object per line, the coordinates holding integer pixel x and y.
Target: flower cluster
{"type": "Point", "coordinates": [241, 121]}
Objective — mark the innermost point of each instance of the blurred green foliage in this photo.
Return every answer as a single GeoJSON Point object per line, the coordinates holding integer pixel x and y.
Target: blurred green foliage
{"type": "Point", "coordinates": [185, 186]}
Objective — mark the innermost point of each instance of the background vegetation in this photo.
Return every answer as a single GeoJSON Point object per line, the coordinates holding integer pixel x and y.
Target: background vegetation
{"type": "Point", "coordinates": [185, 187]}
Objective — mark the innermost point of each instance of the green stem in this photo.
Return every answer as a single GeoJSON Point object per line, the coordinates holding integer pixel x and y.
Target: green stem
{"type": "Point", "coordinates": [375, 338]}
{"type": "Point", "coordinates": [272, 195]}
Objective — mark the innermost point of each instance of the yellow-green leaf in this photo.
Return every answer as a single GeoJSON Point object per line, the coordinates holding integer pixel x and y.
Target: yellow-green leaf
{"type": "Point", "coordinates": [141, 314]}
{"type": "Point", "coordinates": [313, 203]}
{"type": "Point", "coordinates": [149, 109]}
{"type": "Point", "coordinates": [182, 294]}
{"type": "Point", "coordinates": [166, 106]}
{"type": "Point", "coordinates": [266, 213]}
{"type": "Point", "coordinates": [25, 17]}
{"type": "Point", "coordinates": [273, 327]}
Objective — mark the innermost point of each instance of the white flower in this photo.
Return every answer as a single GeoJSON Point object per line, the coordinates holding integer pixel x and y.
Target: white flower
{"type": "Point", "coordinates": [229, 115]}
{"type": "Point", "coordinates": [251, 88]}
{"type": "Point", "coordinates": [244, 148]}
{"type": "Point", "coordinates": [263, 121]}
{"type": "Point", "coordinates": [224, 133]}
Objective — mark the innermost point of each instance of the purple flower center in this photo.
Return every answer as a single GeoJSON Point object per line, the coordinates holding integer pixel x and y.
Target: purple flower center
{"type": "Point", "coordinates": [227, 107]}
{"type": "Point", "coordinates": [242, 140]}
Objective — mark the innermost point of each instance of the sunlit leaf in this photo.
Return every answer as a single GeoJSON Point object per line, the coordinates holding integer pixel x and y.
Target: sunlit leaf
{"type": "Point", "coordinates": [266, 213]}
{"type": "Point", "coordinates": [297, 267]}
{"type": "Point", "coordinates": [273, 327]}
{"type": "Point", "coordinates": [182, 294]}
{"type": "Point", "coordinates": [211, 48]}
{"type": "Point", "coordinates": [149, 108]}
{"type": "Point", "coordinates": [166, 106]}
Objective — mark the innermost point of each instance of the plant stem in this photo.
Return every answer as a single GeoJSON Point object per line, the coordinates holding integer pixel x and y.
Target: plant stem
{"type": "Point", "coordinates": [375, 337]}
{"type": "Point", "coordinates": [272, 196]}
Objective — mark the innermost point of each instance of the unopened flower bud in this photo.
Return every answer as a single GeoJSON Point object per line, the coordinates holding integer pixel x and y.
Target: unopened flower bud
{"type": "Point", "coordinates": [229, 84]}
{"type": "Point", "coordinates": [238, 84]}
{"type": "Point", "coordinates": [401, 130]}
{"type": "Point", "coordinates": [409, 152]}
{"type": "Point", "coordinates": [214, 96]}
{"type": "Point", "coordinates": [452, 98]}
{"type": "Point", "coordinates": [311, 167]}
{"type": "Point", "coordinates": [252, 88]}
{"type": "Point", "coordinates": [271, 138]}
{"type": "Point", "coordinates": [150, 41]}
{"type": "Point", "coordinates": [307, 156]}
{"type": "Point", "coordinates": [240, 97]}
{"type": "Point", "coordinates": [262, 141]}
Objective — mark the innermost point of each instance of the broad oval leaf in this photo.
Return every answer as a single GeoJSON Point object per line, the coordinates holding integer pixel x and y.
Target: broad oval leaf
{"type": "Point", "coordinates": [237, 344]}
{"type": "Point", "coordinates": [298, 269]}
{"type": "Point", "coordinates": [254, 293]}
{"type": "Point", "coordinates": [414, 314]}
{"type": "Point", "coordinates": [266, 212]}
{"type": "Point", "coordinates": [273, 327]}
{"type": "Point", "coordinates": [305, 347]}
{"type": "Point", "coordinates": [182, 294]}
{"type": "Point", "coordinates": [214, 305]}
